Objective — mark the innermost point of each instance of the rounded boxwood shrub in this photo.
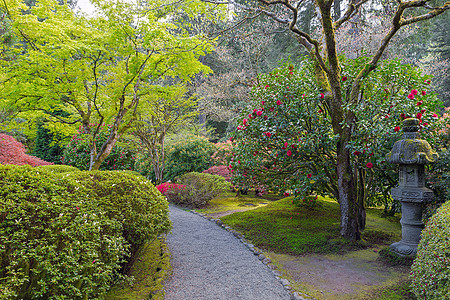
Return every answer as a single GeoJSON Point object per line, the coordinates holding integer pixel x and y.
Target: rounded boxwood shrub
{"type": "Point", "coordinates": [54, 242]}
{"type": "Point", "coordinates": [430, 272]}
{"type": "Point", "coordinates": [131, 199]}
{"type": "Point", "coordinates": [198, 190]}
{"type": "Point", "coordinates": [58, 168]}
{"type": "Point", "coordinates": [68, 235]}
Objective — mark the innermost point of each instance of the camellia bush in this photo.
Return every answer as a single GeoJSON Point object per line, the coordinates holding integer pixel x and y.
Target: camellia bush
{"type": "Point", "coordinates": [13, 152]}
{"type": "Point", "coordinates": [286, 142]}
{"type": "Point", "coordinates": [430, 272]}
{"type": "Point", "coordinates": [69, 235]}
{"type": "Point", "coordinates": [77, 153]}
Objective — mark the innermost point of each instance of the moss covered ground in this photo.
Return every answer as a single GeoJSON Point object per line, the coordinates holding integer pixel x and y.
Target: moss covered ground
{"type": "Point", "coordinates": [305, 246]}
{"type": "Point", "coordinates": [149, 271]}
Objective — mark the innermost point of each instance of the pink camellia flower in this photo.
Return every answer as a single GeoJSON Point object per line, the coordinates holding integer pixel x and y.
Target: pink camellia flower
{"type": "Point", "coordinates": [266, 117]}
{"type": "Point", "coordinates": [344, 78]}
{"type": "Point", "coordinates": [321, 96]}
{"type": "Point", "coordinates": [268, 134]}
{"type": "Point", "coordinates": [423, 111]}
{"type": "Point", "coordinates": [230, 167]}
{"type": "Point", "coordinates": [371, 154]}
{"type": "Point", "coordinates": [424, 93]}
{"type": "Point", "coordinates": [397, 128]}
{"type": "Point", "coordinates": [419, 103]}
{"type": "Point", "coordinates": [320, 111]}
{"type": "Point", "coordinates": [425, 124]}
{"type": "Point", "coordinates": [259, 113]}
{"type": "Point", "coordinates": [286, 194]}
{"type": "Point", "coordinates": [419, 115]}
{"type": "Point", "coordinates": [357, 152]}
{"type": "Point", "coordinates": [309, 175]}
{"type": "Point", "coordinates": [263, 102]}
{"type": "Point", "coordinates": [77, 208]}
{"type": "Point", "coordinates": [231, 139]}
{"type": "Point", "coordinates": [291, 73]}
{"type": "Point", "coordinates": [369, 165]}
{"type": "Point", "coordinates": [278, 102]}
{"type": "Point", "coordinates": [403, 116]}
{"type": "Point", "coordinates": [414, 92]}
{"type": "Point", "coordinates": [289, 153]}
{"type": "Point", "coordinates": [271, 109]}
{"type": "Point", "coordinates": [239, 127]}
{"type": "Point", "coordinates": [386, 90]}
{"type": "Point", "coordinates": [435, 116]}
{"type": "Point", "coordinates": [411, 96]}
{"type": "Point", "coordinates": [245, 121]}
{"type": "Point", "coordinates": [303, 95]}
{"type": "Point", "coordinates": [266, 86]}
{"type": "Point", "coordinates": [427, 81]}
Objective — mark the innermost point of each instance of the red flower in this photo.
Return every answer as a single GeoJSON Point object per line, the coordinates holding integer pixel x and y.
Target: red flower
{"type": "Point", "coordinates": [403, 116]}
{"type": "Point", "coordinates": [290, 73]}
{"type": "Point", "coordinates": [414, 92]}
{"type": "Point", "coordinates": [286, 194]}
{"type": "Point", "coordinates": [268, 134]}
{"type": "Point", "coordinates": [266, 117]}
{"type": "Point", "coordinates": [386, 90]}
{"type": "Point", "coordinates": [427, 81]}
{"type": "Point", "coordinates": [411, 96]}
{"type": "Point", "coordinates": [289, 153]}
{"type": "Point", "coordinates": [357, 152]}
{"type": "Point", "coordinates": [425, 124]}
{"type": "Point", "coordinates": [397, 128]}
{"type": "Point", "coordinates": [303, 95]}
{"type": "Point", "coordinates": [435, 116]}
{"type": "Point", "coordinates": [344, 78]}
{"type": "Point", "coordinates": [424, 93]}
{"type": "Point", "coordinates": [278, 102]}
{"type": "Point", "coordinates": [419, 103]}
{"type": "Point", "coordinates": [419, 115]}
{"type": "Point", "coordinates": [231, 139]}
{"type": "Point", "coordinates": [266, 86]}
{"type": "Point", "coordinates": [321, 96]}
{"type": "Point", "coordinates": [371, 154]}
{"type": "Point", "coordinates": [239, 127]}
{"type": "Point", "coordinates": [369, 165]}
{"type": "Point", "coordinates": [259, 113]}
{"type": "Point", "coordinates": [271, 109]}
{"type": "Point", "coordinates": [263, 102]}
{"type": "Point", "coordinates": [320, 111]}
{"type": "Point", "coordinates": [244, 122]}
{"type": "Point", "coordinates": [309, 175]}
{"type": "Point", "coordinates": [423, 111]}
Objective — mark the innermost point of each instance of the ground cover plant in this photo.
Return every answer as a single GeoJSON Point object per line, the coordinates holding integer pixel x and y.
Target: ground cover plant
{"type": "Point", "coordinates": [70, 235]}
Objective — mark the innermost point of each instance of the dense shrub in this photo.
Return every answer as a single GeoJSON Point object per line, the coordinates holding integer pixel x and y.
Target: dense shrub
{"type": "Point", "coordinates": [222, 171]}
{"type": "Point", "coordinates": [46, 144]}
{"type": "Point", "coordinates": [12, 152]}
{"type": "Point", "coordinates": [199, 189]}
{"type": "Point", "coordinates": [430, 272]}
{"type": "Point", "coordinates": [58, 168]}
{"type": "Point", "coordinates": [54, 245]}
{"type": "Point", "coordinates": [192, 154]}
{"type": "Point", "coordinates": [171, 190]}
{"type": "Point", "coordinates": [128, 198]}
{"type": "Point", "coordinates": [62, 237]}
{"type": "Point", "coordinates": [77, 153]}
{"type": "Point", "coordinates": [438, 179]}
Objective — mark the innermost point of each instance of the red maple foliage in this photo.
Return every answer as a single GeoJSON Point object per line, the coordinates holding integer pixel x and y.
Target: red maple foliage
{"type": "Point", "coordinates": [221, 171]}
{"type": "Point", "coordinates": [12, 152]}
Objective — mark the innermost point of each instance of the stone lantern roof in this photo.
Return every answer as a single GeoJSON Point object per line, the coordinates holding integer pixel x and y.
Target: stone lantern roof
{"type": "Point", "coordinates": [411, 149]}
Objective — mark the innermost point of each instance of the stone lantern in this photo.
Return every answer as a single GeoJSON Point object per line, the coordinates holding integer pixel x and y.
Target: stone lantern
{"type": "Point", "coordinates": [411, 154]}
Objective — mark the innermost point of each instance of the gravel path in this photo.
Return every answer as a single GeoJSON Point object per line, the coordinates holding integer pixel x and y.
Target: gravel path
{"type": "Point", "coordinates": [210, 263]}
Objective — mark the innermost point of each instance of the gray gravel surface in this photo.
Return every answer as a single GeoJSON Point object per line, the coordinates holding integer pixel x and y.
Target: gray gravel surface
{"type": "Point", "coordinates": [208, 262]}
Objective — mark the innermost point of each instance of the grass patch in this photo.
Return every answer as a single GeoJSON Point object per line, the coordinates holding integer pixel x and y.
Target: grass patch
{"type": "Point", "coordinates": [400, 291]}
{"type": "Point", "coordinates": [228, 201]}
{"type": "Point", "coordinates": [284, 228]}
{"type": "Point", "coordinates": [150, 269]}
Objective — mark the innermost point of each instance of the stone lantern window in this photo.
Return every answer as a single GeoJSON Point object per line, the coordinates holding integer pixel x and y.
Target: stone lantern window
{"type": "Point", "coordinates": [411, 154]}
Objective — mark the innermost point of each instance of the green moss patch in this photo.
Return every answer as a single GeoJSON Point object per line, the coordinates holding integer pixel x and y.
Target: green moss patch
{"type": "Point", "coordinates": [149, 270]}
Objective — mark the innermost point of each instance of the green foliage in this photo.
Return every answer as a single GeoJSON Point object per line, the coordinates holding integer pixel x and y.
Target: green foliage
{"type": "Point", "coordinates": [128, 198]}
{"type": "Point", "coordinates": [56, 243]}
{"type": "Point", "coordinates": [67, 235]}
{"type": "Point", "coordinates": [58, 168]}
{"type": "Point", "coordinates": [77, 153]}
{"type": "Point", "coordinates": [191, 154]}
{"type": "Point", "coordinates": [199, 189]}
{"type": "Point", "coordinates": [438, 179]}
{"type": "Point", "coordinates": [46, 145]}
{"type": "Point", "coordinates": [394, 259]}
{"type": "Point", "coordinates": [430, 272]}
{"type": "Point", "coordinates": [286, 140]}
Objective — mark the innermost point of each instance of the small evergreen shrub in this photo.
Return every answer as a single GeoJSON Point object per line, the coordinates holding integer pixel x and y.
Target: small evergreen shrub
{"type": "Point", "coordinates": [77, 153]}
{"type": "Point", "coordinates": [58, 168]}
{"type": "Point", "coordinates": [200, 188]}
{"type": "Point", "coordinates": [430, 272]}
{"type": "Point", "coordinates": [192, 154]}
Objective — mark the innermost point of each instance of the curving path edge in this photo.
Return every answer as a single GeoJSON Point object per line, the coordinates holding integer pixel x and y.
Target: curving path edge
{"type": "Point", "coordinates": [208, 262]}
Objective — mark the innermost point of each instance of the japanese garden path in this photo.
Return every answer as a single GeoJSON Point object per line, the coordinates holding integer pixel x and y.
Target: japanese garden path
{"type": "Point", "coordinates": [208, 262]}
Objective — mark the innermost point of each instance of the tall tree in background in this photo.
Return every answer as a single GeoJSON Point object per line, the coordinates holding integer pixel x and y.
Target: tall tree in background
{"type": "Point", "coordinates": [323, 50]}
{"type": "Point", "coordinates": [95, 69]}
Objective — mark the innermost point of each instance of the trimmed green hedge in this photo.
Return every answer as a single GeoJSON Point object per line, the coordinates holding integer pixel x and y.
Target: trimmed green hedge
{"type": "Point", "coordinates": [58, 168]}
{"type": "Point", "coordinates": [430, 272]}
{"type": "Point", "coordinates": [68, 235]}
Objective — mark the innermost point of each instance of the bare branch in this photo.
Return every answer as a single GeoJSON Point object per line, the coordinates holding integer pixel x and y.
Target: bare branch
{"type": "Point", "coordinates": [353, 8]}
